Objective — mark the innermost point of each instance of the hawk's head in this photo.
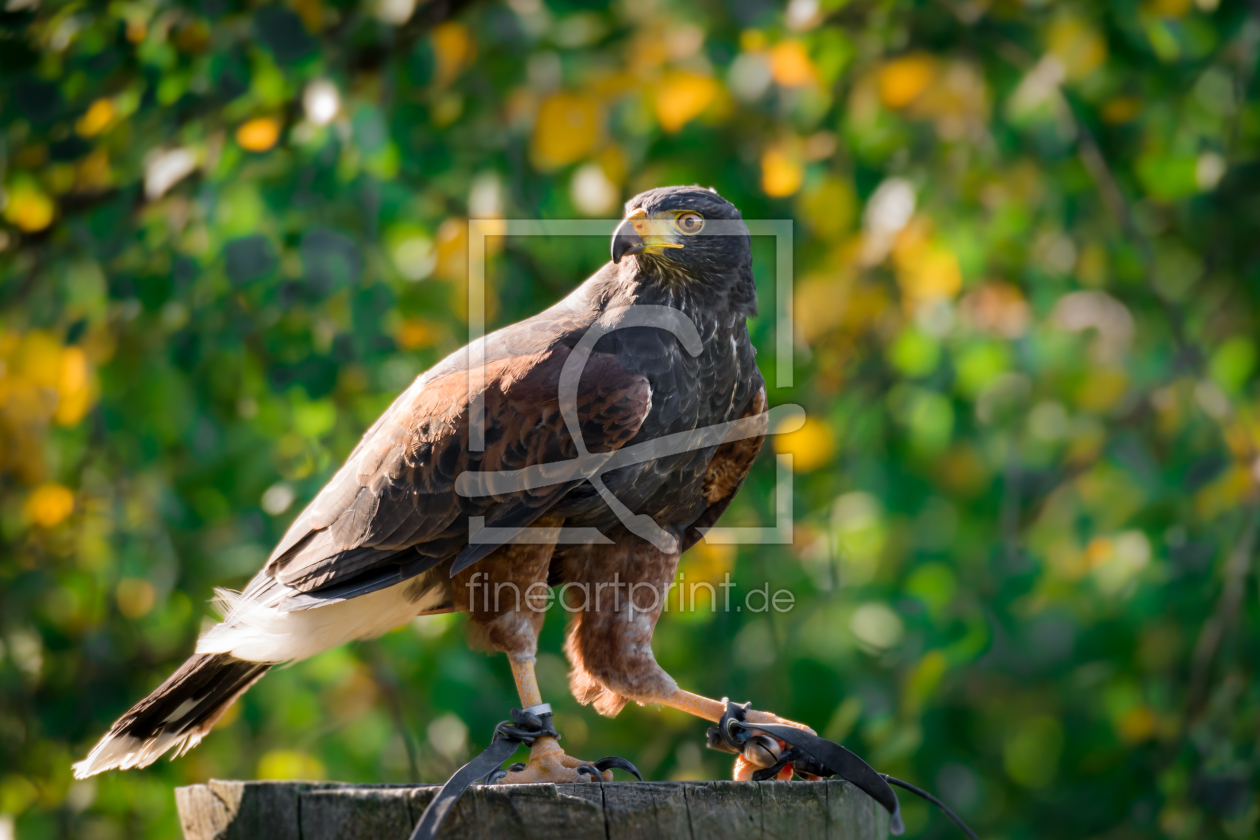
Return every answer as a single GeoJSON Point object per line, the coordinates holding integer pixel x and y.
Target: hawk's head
{"type": "Point", "coordinates": [687, 232]}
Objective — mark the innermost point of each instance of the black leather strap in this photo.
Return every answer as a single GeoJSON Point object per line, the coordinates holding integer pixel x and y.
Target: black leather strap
{"type": "Point", "coordinates": [840, 762]}
{"type": "Point", "coordinates": [815, 756]}
{"type": "Point", "coordinates": [526, 726]}
{"type": "Point", "coordinates": [806, 751]}
{"type": "Point", "coordinates": [483, 765]}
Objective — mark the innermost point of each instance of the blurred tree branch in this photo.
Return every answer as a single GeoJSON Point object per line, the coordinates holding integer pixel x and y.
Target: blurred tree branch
{"type": "Point", "coordinates": [1223, 619]}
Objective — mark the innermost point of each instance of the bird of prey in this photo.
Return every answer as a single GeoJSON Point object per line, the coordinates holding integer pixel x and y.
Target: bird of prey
{"type": "Point", "coordinates": [486, 443]}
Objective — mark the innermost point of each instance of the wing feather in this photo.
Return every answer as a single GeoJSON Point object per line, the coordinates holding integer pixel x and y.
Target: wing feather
{"type": "Point", "coordinates": [393, 504]}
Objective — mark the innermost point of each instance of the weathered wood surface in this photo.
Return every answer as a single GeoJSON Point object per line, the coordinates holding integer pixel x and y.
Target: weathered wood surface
{"type": "Point", "coordinates": [831, 810]}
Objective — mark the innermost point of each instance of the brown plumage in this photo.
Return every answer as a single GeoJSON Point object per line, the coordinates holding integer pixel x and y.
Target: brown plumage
{"type": "Point", "coordinates": [389, 535]}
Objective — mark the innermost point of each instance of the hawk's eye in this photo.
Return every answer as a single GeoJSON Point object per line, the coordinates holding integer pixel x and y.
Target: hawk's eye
{"type": "Point", "coordinates": [690, 223]}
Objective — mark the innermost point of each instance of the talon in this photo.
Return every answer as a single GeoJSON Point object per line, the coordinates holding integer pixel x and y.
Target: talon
{"type": "Point", "coordinates": [617, 761]}
{"type": "Point", "coordinates": [548, 763]}
{"type": "Point", "coordinates": [810, 770]}
{"type": "Point", "coordinates": [713, 740]}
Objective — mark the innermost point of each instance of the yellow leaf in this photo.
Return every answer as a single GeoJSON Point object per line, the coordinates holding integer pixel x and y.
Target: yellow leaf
{"type": "Point", "coordinates": [1224, 493]}
{"type": "Point", "coordinates": [752, 40]}
{"type": "Point", "coordinates": [1092, 267]}
{"type": "Point", "coordinates": [1121, 110]}
{"type": "Point", "coordinates": [681, 97]}
{"type": "Point", "coordinates": [75, 387]}
{"type": "Point", "coordinates": [864, 307]}
{"type": "Point", "coordinates": [1076, 44]}
{"type": "Point", "coordinates": [98, 117]}
{"type": "Point", "coordinates": [829, 207]}
{"type": "Point", "coordinates": [962, 471]}
{"type": "Point", "coordinates": [452, 250]}
{"type": "Point", "coordinates": [453, 48]}
{"type": "Point", "coordinates": [290, 764]}
{"type": "Point", "coordinates": [93, 172]}
{"type": "Point", "coordinates": [48, 505]}
{"type": "Point", "coordinates": [17, 793]}
{"type": "Point", "coordinates": [1169, 8]}
{"type": "Point", "coordinates": [791, 66]}
{"type": "Point", "coordinates": [312, 14]}
{"type": "Point", "coordinates": [613, 161]}
{"type": "Point", "coordinates": [37, 360]}
{"type": "Point", "coordinates": [459, 302]}
{"type": "Point", "coordinates": [74, 370]}
{"type": "Point", "coordinates": [135, 597]}
{"type": "Point", "coordinates": [567, 129]}
{"type": "Point", "coordinates": [1242, 437]}
{"type": "Point", "coordinates": [1102, 389]}
{"type": "Point", "coordinates": [259, 134]}
{"type": "Point", "coordinates": [414, 333]}
{"type": "Point", "coordinates": [29, 208]}
{"type": "Point", "coordinates": [613, 85]}
{"type": "Point", "coordinates": [816, 306]}
{"type": "Point", "coordinates": [781, 172]}
{"type": "Point", "coordinates": [932, 273]}
{"type": "Point", "coordinates": [229, 716]}
{"type": "Point", "coordinates": [811, 446]}
{"type": "Point", "coordinates": [1137, 724]}
{"type": "Point", "coordinates": [647, 51]}
{"type": "Point", "coordinates": [901, 80]}
{"type": "Point", "coordinates": [194, 37]}
{"type": "Point", "coordinates": [922, 680]}
{"type": "Point", "coordinates": [707, 562]}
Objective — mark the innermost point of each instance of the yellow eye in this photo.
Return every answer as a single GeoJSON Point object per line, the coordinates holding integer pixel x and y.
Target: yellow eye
{"type": "Point", "coordinates": [690, 223]}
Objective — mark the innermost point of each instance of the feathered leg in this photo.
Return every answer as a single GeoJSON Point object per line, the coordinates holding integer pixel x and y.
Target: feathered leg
{"type": "Point", "coordinates": [505, 596]}
{"type": "Point", "coordinates": [610, 640]}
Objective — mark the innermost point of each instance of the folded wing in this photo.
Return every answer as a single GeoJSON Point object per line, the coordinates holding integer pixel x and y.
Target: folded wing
{"type": "Point", "coordinates": [392, 511]}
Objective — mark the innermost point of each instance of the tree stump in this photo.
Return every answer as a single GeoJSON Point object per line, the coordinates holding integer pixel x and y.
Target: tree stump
{"type": "Point", "coordinates": [826, 810]}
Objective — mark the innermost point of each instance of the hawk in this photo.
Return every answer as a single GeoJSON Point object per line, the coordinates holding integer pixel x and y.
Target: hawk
{"type": "Point", "coordinates": [471, 485]}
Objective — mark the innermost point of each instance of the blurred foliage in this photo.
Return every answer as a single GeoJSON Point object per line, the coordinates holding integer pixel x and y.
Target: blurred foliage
{"type": "Point", "coordinates": [1027, 277]}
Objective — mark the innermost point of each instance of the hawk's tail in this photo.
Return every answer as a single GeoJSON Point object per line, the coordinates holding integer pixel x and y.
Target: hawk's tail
{"type": "Point", "coordinates": [176, 715]}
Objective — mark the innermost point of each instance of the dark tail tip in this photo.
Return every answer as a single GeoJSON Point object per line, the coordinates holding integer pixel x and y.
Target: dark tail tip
{"type": "Point", "coordinates": [176, 715]}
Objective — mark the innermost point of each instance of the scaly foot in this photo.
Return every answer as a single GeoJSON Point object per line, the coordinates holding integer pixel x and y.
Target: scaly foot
{"type": "Point", "coordinates": [549, 763]}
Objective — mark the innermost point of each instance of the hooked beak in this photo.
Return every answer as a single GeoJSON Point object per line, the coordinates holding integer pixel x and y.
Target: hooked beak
{"type": "Point", "coordinates": [626, 240]}
{"type": "Point", "coordinates": [640, 235]}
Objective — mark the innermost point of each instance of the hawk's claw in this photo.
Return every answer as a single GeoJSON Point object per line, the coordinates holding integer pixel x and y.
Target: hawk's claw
{"type": "Point", "coordinates": [548, 763]}
{"type": "Point", "coordinates": [620, 763]}
{"type": "Point", "coordinates": [493, 777]}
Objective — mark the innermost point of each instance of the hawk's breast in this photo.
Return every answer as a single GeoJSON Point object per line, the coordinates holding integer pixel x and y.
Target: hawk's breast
{"type": "Point", "coordinates": [688, 393]}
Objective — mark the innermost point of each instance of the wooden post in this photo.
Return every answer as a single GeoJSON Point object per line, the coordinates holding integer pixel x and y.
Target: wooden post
{"type": "Point", "coordinates": [828, 810]}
